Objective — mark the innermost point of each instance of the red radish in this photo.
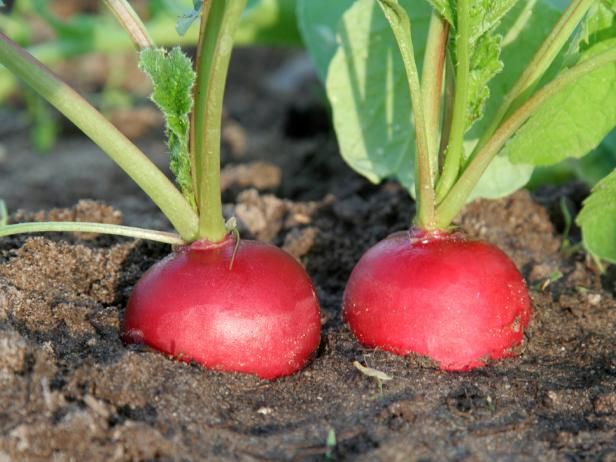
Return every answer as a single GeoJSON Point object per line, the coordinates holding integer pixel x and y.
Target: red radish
{"type": "Point", "coordinates": [258, 315]}
{"type": "Point", "coordinates": [457, 301]}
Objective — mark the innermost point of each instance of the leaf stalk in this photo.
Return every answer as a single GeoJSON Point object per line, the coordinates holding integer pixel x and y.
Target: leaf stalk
{"type": "Point", "coordinates": [457, 196]}
{"type": "Point", "coordinates": [455, 148]}
{"type": "Point", "coordinates": [219, 21]}
{"type": "Point", "coordinates": [96, 228]}
{"type": "Point", "coordinates": [92, 123]}
{"type": "Point", "coordinates": [432, 84]}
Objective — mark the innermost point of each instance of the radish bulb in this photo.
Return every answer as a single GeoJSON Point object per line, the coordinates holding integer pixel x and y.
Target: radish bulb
{"type": "Point", "coordinates": [456, 301]}
{"type": "Point", "coordinates": [258, 314]}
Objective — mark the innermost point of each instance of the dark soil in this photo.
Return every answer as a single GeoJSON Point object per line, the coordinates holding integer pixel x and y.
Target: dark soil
{"type": "Point", "coordinates": [70, 390]}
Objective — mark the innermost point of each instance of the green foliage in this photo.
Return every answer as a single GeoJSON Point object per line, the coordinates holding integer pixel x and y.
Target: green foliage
{"type": "Point", "coordinates": [598, 219]}
{"type": "Point", "coordinates": [576, 119]}
{"type": "Point", "coordinates": [367, 87]}
{"type": "Point", "coordinates": [173, 78]}
{"type": "Point", "coordinates": [187, 19]}
{"type": "Point", "coordinates": [370, 98]}
{"type": "Point", "coordinates": [44, 127]}
{"type": "Point", "coordinates": [572, 122]}
{"type": "Point", "coordinates": [318, 23]}
{"type": "Point", "coordinates": [484, 65]}
{"type": "Point", "coordinates": [523, 30]}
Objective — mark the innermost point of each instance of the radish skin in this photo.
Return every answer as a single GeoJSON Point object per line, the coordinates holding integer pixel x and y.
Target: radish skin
{"type": "Point", "coordinates": [456, 301]}
{"type": "Point", "coordinates": [258, 315]}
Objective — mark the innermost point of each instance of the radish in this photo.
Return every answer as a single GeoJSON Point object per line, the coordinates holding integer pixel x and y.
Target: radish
{"type": "Point", "coordinates": [432, 292]}
{"type": "Point", "coordinates": [457, 301]}
{"type": "Point", "coordinates": [231, 305]}
{"type": "Point", "coordinates": [255, 312]}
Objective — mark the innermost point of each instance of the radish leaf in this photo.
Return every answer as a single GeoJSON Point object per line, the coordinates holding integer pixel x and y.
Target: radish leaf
{"type": "Point", "coordinates": [576, 119]}
{"type": "Point", "coordinates": [523, 30]}
{"type": "Point", "coordinates": [173, 78]}
{"type": "Point", "coordinates": [318, 20]}
{"type": "Point", "coordinates": [598, 219]}
{"type": "Point", "coordinates": [367, 87]}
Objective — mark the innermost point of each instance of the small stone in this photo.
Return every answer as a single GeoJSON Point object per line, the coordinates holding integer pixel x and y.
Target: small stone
{"type": "Point", "coordinates": [13, 349]}
{"type": "Point", "coordinates": [594, 299]}
{"type": "Point", "coordinates": [265, 410]}
{"type": "Point", "coordinates": [605, 404]}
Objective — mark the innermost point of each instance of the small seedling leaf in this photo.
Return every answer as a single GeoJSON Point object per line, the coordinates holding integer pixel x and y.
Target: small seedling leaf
{"type": "Point", "coordinates": [4, 215]}
{"type": "Point", "coordinates": [370, 372]}
{"type": "Point", "coordinates": [173, 78]}
{"type": "Point", "coordinates": [330, 444]}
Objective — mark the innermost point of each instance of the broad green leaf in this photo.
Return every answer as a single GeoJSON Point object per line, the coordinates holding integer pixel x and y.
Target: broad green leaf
{"type": "Point", "coordinates": [366, 85]}
{"type": "Point", "coordinates": [501, 178]}
{"type": "Point", "coordinates": [318, 22]}
{"type": "Point", "coordinates": [598, 219]}
{"type": "Point", "coordinates": [371, 104]}
{"type": "Point", "coordinates": [173, 78]}
{"type": "Point", "coordinates": [573, 121]}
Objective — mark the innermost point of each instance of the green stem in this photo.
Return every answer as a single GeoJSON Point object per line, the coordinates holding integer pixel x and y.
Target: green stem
{"type": "Point", "coordinates": [97, 228]}
{"type": "Point", "coordinates": [104, 134]}
{"type": "Point", "coordinates": [447, 108]}
{"type": "Point", "coordinates": [455, 147]}
{"type": "Point", "coordinates": [130, 21]}
{"type": "Point", "coordinates": [455, 200]}
{"type": "Point", "coordinates": [432, 84]}
{"type": "Point", "coordinates": [218, 24]}
{"type": "Point", "coordinates": [401, 27]}
{"type": "Point", "coordinates": [543, 59]}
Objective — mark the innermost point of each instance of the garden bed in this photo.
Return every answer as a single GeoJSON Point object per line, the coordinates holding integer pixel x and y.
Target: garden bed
{"type": "Point", "coordinates": [70, 389]}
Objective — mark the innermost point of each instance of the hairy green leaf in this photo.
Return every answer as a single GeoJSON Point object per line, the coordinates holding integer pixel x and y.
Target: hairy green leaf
{"type": "Point", "coordinates": [486, 15]}
{"type": "Point", "coordinates": [598, 219]}
{"type": "Point", "coordinates": [367, 87]}
{"type": "Point", "coordinates": [173, 78]}
{"type": "Point", "coordinates": [318, 22]}
{"type": "Point", "coordinates": [523, 30]}
{"type": "Point", "coordinates": [485, 47]}
{"type": "Point", "coordinates": [484, 65]}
